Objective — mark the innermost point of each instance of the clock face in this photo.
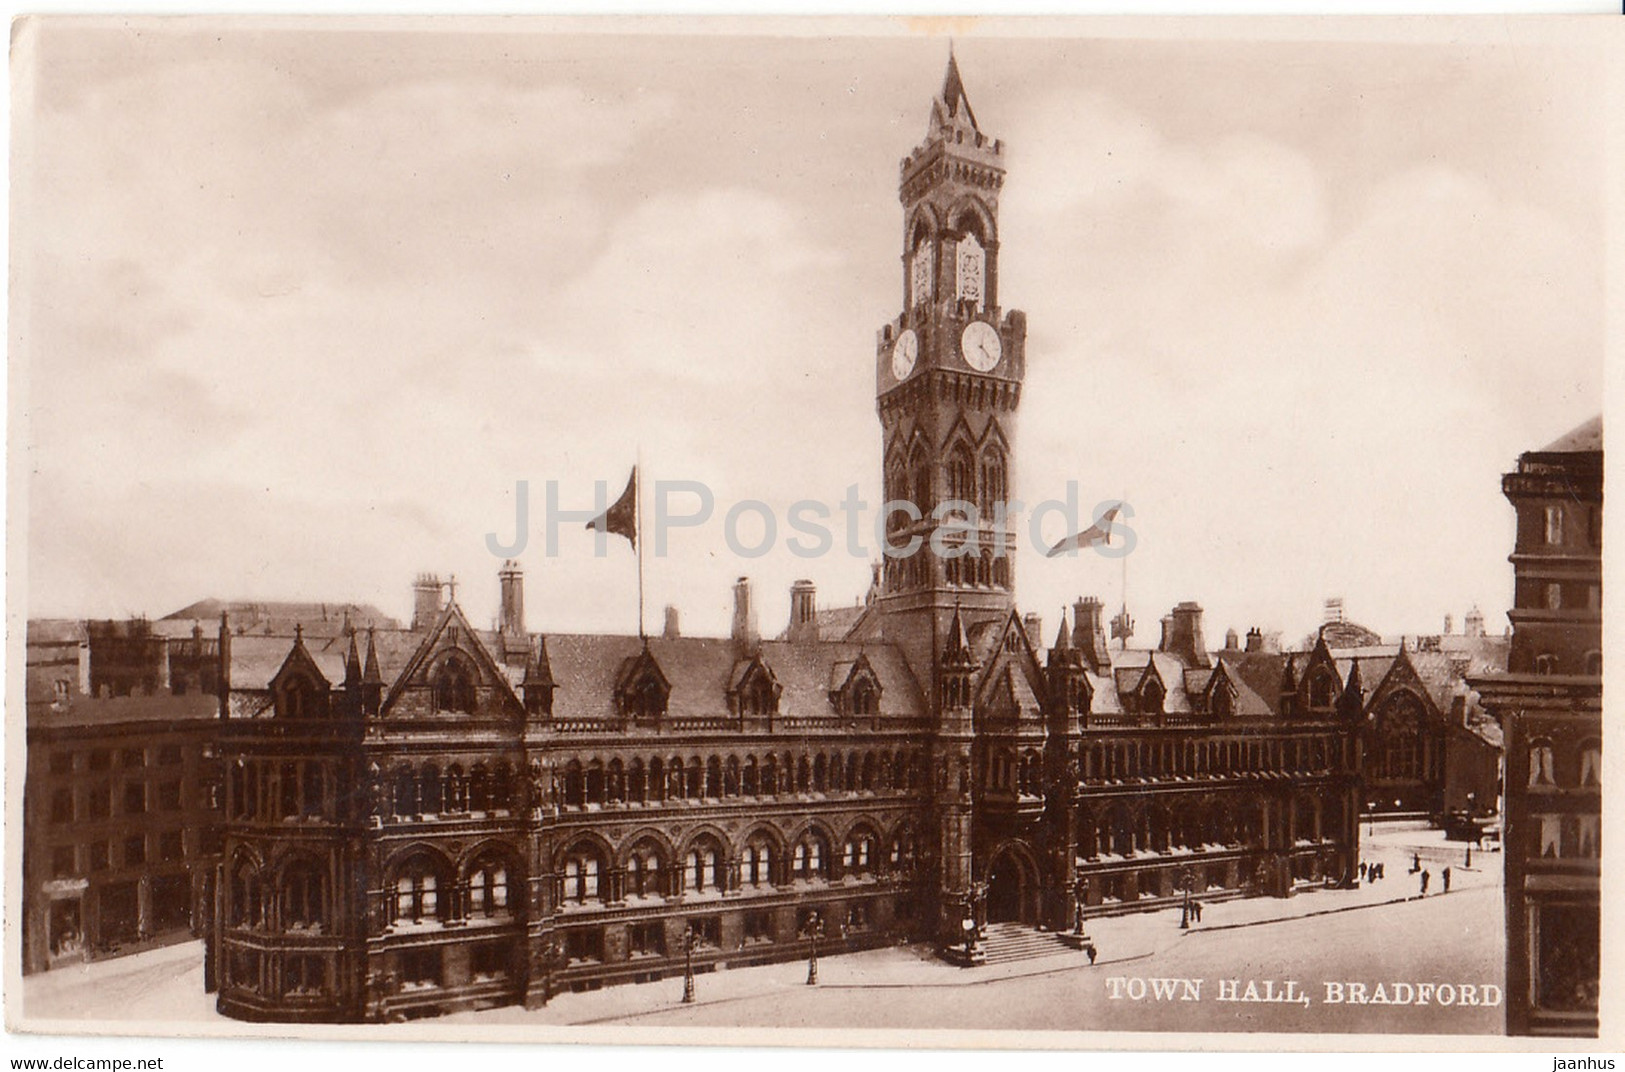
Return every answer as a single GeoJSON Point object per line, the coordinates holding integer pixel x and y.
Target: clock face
{"type": "Point", "coordinates": [980, 345]}
{"type": "Point", "coordinates": [904, 353]}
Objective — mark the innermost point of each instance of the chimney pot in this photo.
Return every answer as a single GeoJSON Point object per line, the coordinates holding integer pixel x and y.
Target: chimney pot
{"type": "Point", "coordinates": [425, 600]}
{"type": "Point", "coordinates": [672, 629]}
{"type": "Point", "coordinates": [1182, 635]}
{"type": "Point", "coordinates": [1033, 624]}
{"type": "Point", "coordinates": [512, 579]}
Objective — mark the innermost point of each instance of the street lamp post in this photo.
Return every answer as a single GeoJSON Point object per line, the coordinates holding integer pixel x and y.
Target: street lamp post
{"type": "Point", "coordinates": [689, 941]}
{"type": "Point", "coordinates": [815, 931]}
{"type": "Point", "coordinates": [1186, 881]}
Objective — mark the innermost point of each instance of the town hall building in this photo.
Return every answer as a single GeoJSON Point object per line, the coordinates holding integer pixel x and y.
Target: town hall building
{"type": "Point", "coordinates": [438, 817]}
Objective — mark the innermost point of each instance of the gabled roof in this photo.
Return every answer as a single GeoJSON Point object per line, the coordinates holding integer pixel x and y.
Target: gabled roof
{"type": "Point", "coordinates": [1581, 440]}
{"type": "Point", "coordinates": [478, 648]}
{"type": "Point", "coordinates": [299, 662]}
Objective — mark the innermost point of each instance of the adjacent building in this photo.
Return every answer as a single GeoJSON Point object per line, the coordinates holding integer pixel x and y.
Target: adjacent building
{"type": "Point", "coordinates": [1549, 704]}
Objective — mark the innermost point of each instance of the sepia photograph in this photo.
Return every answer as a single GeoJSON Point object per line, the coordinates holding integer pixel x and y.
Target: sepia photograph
{"type": "Point", "coordinates": [867, 531]}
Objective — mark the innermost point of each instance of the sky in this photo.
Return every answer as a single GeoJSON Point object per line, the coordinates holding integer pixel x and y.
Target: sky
{"type": "Point", "coordinates": [297, 310]}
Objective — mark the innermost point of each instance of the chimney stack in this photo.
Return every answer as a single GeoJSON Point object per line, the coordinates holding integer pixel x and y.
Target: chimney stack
{"type": "Point", "coordinates": [671, 631]}
{"type": "Point", "coordinates": [1474, 625]}
{"type": "Point", "coordinates": [1182, 635]}
{"type": "Point", "coordinates": [1255, 639]}
{"type": "Point", "coordinates": [1089, 632]}
{"type": "Point", "coordinates": [1449, 624]}
{"type": "Point", "coordinates": [803, 611]}
{"type": "Point", "coordinates": [1232, 642]}
{"type": "Point", "coordinates": [1033, 624]}
{"type": "Point", "coordinates": [744, 627]}
{"type": "Point", "coordinates": [513, 598]}
{"type": "Point", "coordinates": [425, 601]}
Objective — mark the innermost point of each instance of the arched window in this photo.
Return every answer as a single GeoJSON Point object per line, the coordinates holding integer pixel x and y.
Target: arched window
{"type": "Point", "coordinates": [1542, 763]}
{"type": "Point", "coordinates": [803, 775]}
{"type": "Point", "coordinates": [924, 501]}
{"type": "Point", "coordinates": [758, 695]}
{"type": "Point", "coordinates": [1322, 691]}
{"type": "Point", "coordinates": [637, 784]}
{"type": "Point", "coordinates": [643, 870]}
{"type": "Point", "coordinates": [730, 777]}
{"type": "Point", "coordinates": [303, 906]}
{"type": "Point", "coordinates": [454, 685]}
{"type": "Point", "coordinates": [1591, 763]}
{"type": "Point", "coordinates": [1399, 729]}
{"type": "Point", "coordinates": [299, 697]}
{"type": "Point", "coordinates": [1151, 697]}
{"type": "Point", "coordinates": [245, 908]}
{"type": "Point", "coordinates": [479, 788]}
{"type": "Point", "coordinates": [713, 778]}
{"type": "Point", "coordinates": [770, 776]}
{"type": "Point", "coordinates": [702, 868]}
{"type": "Point", "coordinates": [488, 888]}
{"type": "Point", "coordinates": [857, 855]}
{"type": "Point", "coordinates": [756, 863]}
{"type": "Point", "coordinates": [575, 785]}
{"type": "Point", "coordinates": [810, 858]}
{"type": "Point", "coordinates": [694, 779]}
{"type": "Point", "coordinates": [456, 789]}
{"type": "Point", "coordinates": [993, 482]}
{"type": "Point", "coordinates": [583, 867]}
{"type": "Point", "coordinates": [1545, 664]}
{"type": "Point", "coordinates": [502, 787]}
{"type": "Point", "coordinates": [864, 696]}
{"type": "Point", "coordinates": [430, 790]}
{"type": "Point", "coordinates": [406, 793]}
{"type": "Point", "coordinates": [820, 774]}
{"type": "Point", "coordinates": [595, 781]}
{"type": "Point", "coordinates": [961, 471]}
{"type": "Point", "coordinates": [417, 891]}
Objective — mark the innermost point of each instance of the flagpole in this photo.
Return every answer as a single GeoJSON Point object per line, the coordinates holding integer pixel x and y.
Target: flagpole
{"type": "Point", "coordinates": [638, 495]}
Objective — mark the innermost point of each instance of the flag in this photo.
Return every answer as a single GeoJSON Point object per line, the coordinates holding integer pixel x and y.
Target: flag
{"type": "Point", "coordinates": [622, 518]}
{"type": "Point", "coordinates": [1101, 532]}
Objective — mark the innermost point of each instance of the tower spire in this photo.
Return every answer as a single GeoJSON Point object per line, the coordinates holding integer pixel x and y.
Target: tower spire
{"type": "Point", "coordinates": [951, 110]}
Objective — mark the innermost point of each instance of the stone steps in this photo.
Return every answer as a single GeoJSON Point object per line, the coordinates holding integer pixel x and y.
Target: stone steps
{"type": "Point", "coordinates": [1008, 943]}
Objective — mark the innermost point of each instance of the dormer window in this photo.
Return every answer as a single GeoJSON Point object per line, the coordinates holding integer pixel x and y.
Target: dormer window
{"type": "Point", "coordinates": [299, 697]}
{"type": "Point", "coordinates": [643, 692]}
{"type": "Point", "coordinates": [1322, 691]}
{"type": "Point", "coordinates": [865, 697]}
{"type": "Point", "coordinates": [1151, 697]}
{"type": "Point", "coordinates": [1221, 703]}
{"type": "Point", "coordinates": [757, 696]}
{"type": "Point", "coordinates": [855, 690]}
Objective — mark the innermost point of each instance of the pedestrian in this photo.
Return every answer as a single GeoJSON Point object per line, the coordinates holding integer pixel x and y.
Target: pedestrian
{"type": "Point", "coordinates": [1090, 949]}
{"type": "Point", "coordinates": [1362, 870]}
{"type": "Point", "coordinates": [1468, 864]}
{"type": "Point", "coordinates": [1196, 907]}
{"type": "Point", "coordinates": [1445, 875]}
{"type": "Point", "coordinates": [1382, 870]}
{"type": "Point", "coordinates": [1425, 878]}
{"type": "Point", "coordinates": [1416, 862]}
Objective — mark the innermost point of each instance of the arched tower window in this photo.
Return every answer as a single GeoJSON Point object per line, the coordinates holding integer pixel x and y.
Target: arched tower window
{"type": "Point", "coordinates": [961, 471]}
{"type": "Point", "coordinates": [994, 490]}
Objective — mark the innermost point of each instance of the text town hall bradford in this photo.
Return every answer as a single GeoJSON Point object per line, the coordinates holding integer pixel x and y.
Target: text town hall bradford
{"type": "Point", "coordinates": [441, 817]}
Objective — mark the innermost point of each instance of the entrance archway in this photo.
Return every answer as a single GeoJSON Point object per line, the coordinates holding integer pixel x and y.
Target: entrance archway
{"type": "Point", "coordinates": [1012, 887]}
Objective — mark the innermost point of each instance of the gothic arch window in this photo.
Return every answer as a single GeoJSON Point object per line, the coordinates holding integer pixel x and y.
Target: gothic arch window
{"type": "Point", "coordinates": [456, 796]}
{"type": "Point", "coordinates": [595, 781]}
{"type": "Point", "coordinates": [430, 790]}
{"type": "Point", "coordinates": [970, 266]}
{"type": "Point", "coordinates": [644, 867]}
{"type": "Point", "coordinates": [1542, 764]}
{"type": "Point", "coordinates": [924, 500]}
{"type": "Point", "coordinates": [694, 779]}
{"type": "Point", "coordinates": [245, 907]}
{"type": "Point", "coordinates": [756, 861]}
{"type": "Point", "coordinates": [1322, 691]}
{"type": "Point", "coordinates": [920, 266]}
{"type": "Point", "coordinates": [803, 775]}
{"type": "Point", "coordinates": [488, 888]}
{"type": "Point", "coordinates": [758, 694]}
{"type": "Point", "coordinates": [961, 472]}
{"type": "Point", "coordinates": [702, 866]}
{"type": "Point", "coordinates": [810, 858]}
{"type": "Point", "coordinates": [301, 895]}
{"type": "Point", "coordinates": [298, 696]}
{"type": "Point", "coordinates": [1591, 763]}
{"type": "Point", "coordinates": [1545, 663]}
{"type": "Point", "coordinates": [1222, 705]}
{"type": "Point", "coordinates": [406, 793]}
{"type": "Point", "coordinates": [858, 854]}
{"type": "Point", "coordinates": [575, 785]}
{"type": "Point", "coordinates": [1151, 697]}
{"type": "Point", "coordinates": [993, 485]}
{"type": "Point", "coordinates": [453, 684]}
{"type": "Point", "coordinates": [637, 782]}
{"type": "Point", "coordinates": [770, 776]}
{"type": "Point", "coordinates": [501, 794]}
{"type": "Point", "coordinates": [820, 774]}
{"type": "Point", "coordinates": [583, 873]}
{"type": "Point", "coordinates": [417, 890]}
{"type": "Point", "coordinates": [1399, 729]}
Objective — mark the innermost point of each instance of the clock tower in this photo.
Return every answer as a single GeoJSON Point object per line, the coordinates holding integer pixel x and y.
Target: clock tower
{"type": "Point", "coordinates": [948, 381]}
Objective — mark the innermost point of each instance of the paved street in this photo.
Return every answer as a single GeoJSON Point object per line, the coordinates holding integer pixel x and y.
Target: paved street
{"type": "Point", "coordinates": [1370, 935]}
